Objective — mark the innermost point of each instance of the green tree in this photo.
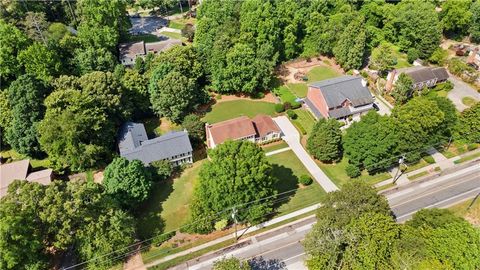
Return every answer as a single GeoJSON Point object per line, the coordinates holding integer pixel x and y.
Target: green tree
{"type": "Point", "coordinates": [237, 173]}
{"type": "Point", "coordinates": [12, 41]}
{"type": "Point", "coordinates": [456, 16]}
{"type": "Point", "coordinates": [5, 116]}
{"type": "Point", "coordinates": [172, 96]}
{"type": "Point", "coordinates": [469, 124]}
{"type": "Point", "coordinates": [195, 128]}
{"type": "Point", "coordinates": [25, 96]}
{"type": "Point", "coordinates": [419, 123]}
{"type": "Point", "coordinates": [188, 32]}
{"type": "Point", "coordinates": [439, 57]}
{"type": "Point", "coordinates": [93, 59]}
{"type": "Point", "coordinates": [40, 61]}
{"type": "Point", "coordinates": [450, 117]}
{"type": "Point", "coordinates": [102, 22]}
{"type": "Point", "coordinates": [340, 220]}
{"type": "Point", "coordinates": [415, 25]}
{"type": "Point", "coordinates": [325, 140]}
{"type": "Point", "coordinates": [382, 57]}
{"type": "Point", "coordinates": [403, 89]}
{"type": "Point", "coordinates": [371, 143]}
{"type": "Point", "coordinates": [163, 169]}
{"type": "Point", "coordinates": [350, 48]}
{"type": "Point", "coordinates": [21, 245]}
{"type": "Point", "coordinates": [230, 264]}
{"type": "Point", "coordinates": [57, 31]}
{"type": "Point", "coordinates": [475, 23]}
{"type": "Point", "coordinates": [35, 25]}
{"type": "Point", "coordinates": [136, 91]}
{"type": "Point", "coordinates": [129, 182]}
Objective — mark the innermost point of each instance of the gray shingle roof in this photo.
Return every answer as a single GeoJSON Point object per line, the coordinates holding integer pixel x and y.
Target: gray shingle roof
{"type": "Point", "coordinates": [337, 90]}
{"type": "Point", "coordinates": [423, 74]}
{"type": "Point", "coordinates": [339, 113]}
{"type": "Point", "coordinates": [166, 146]}
{"type": "Point", "coordinates": [314, 109]}
{"type": "Point", "coordinates": [441, 73]}
{"type": "Point", "coordinates": [131, 136]}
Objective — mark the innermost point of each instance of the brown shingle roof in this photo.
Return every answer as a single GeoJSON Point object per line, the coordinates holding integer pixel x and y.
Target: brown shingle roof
{"type": "Point", "coordinates": [423, 74]}
{"type": "Point", "coordinates": [43, 177]}
{"type": "Point", "coordinates": [132, 49]}
{"type": "Point", "coordinates": [161, 46]}
{"type": "Point", "coordinates": [232, 129]}
{"type": "Point", "coordinates": [264, 125]}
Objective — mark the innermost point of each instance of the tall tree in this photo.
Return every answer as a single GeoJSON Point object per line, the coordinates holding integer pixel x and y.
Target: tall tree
{"type": "Point", "coordinates": [325, 141]}
{"type": "Point", "coordinates": [136, 90]}
{"type": "Point", "coordinates": [35, 26]}
{"type": "Point", "coordinates": [172, 96]}
{"type": "Point", "coordinates": [469, 124]}
{"type": "Point", "coordinates": [456, 16]}
{"type": "Point", "coordinates": [25, 96]}
{"type": "Point", "coordinates": [129, 182]}
{"type": "Point", "coordinates": [474, 29]}
{"type": "Point", "coordinates": [195, 128]}
{"type": "Point", "coordinates": [403, 89]}
{"type": "Point", "coordinates": [12, 41]}
{"type": "Point", "coordinates": [382, 57]}
{"type": "Point", "coordinates": [5, 116]}
{"type": "Point", "coordinates": [237, 173]}
{"type": "Point", "coordinates": [350, 48]}
{"type": "Point", "coordinates": [93, 59]}
{"type": "Point", "coordinates": [21, 236]}
{"type": "Point", "coordinates": [41, 62]}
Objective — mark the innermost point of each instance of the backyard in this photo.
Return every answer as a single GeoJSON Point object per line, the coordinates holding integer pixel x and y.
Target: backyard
{"type": "Point", "coordinates": [231, 109]}
{"type": "Point", "coordinates": [321, 73]}
{"type": "Point", "coordinates": [402, 61]}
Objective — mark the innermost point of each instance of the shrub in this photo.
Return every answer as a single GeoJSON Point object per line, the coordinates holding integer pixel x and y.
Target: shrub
{"type": "Point", "coordinates": [352, 171]}
{"type": "Point", "coordinates": [296, 105]}
{"type": "Point", "coordinates": [218, 97]}
{"type": "Point", "coordinates": [429, 159]}
{"type": "Point", "coordinates": [279, 108]}
{"type": "Point", "coordinates": [412, 55]}
{"type": "Point", "coordinates": [287, 105]}
{"type": "Point", "coordinates": [163, 169]}
{"type": "Point", "coordinates": [159, 239]}
{"type": "Point", "coordinates": [471, 147]}
{"type": "Point", "coordinates": [221, 224]}
{"type": "Point", "coordinates": [305, 180]}
{"type": "Point", "coordinates": [258, 95]}
{"type": "Point", "coordinates": [291, 114]}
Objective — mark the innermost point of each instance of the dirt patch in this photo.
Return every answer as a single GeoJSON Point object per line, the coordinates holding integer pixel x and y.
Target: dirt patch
{"type": "Point", "coordinates": [98, 177]}
{"type": "Point", "coordinates": [269, 97]}
{"type": "Point", "coordinates": [291, 72]}
{"type": "Point", "coordinates": [135, 262]}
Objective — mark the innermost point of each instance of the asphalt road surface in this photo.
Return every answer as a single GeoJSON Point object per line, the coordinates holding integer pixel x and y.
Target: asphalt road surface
{"type": "Point", "coordinates": [281, 249]}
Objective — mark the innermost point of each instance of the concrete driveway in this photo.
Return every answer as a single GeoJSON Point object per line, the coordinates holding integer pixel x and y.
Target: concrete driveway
{"type": "Point", "coordinates": [292, 138]}
{"type": "Point", "coordinates": [147, 25]}
{"type": "Point", "coordinates": [459, 91]}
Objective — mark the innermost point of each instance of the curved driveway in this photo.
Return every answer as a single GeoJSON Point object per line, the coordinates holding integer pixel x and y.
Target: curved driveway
{"type": "Point", "coordinates": [292, 138]}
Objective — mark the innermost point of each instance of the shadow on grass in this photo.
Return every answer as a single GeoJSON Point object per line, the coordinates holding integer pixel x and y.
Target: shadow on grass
{"type": "Point", "coordinates": [286, 181]}
{"type": "Point", "coordinates": [149, 220]}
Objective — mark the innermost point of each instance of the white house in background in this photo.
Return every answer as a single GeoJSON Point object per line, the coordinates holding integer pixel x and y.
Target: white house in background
{"type": "Point", "coordinates": [128, 52]}
{"type": "Point", "coordinates": [261, 129]}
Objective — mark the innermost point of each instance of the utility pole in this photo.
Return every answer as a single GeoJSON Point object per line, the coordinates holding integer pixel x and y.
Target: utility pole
{"type": "Point", "coordinates": [181, 8]}
{"type": "Point", "coordinates": [400, 163]}
{"type": "Point", "coordinates": [234, 217]}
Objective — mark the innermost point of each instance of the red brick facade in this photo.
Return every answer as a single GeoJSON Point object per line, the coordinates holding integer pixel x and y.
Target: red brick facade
{"type": "Point", "coordinates": [316, 97]}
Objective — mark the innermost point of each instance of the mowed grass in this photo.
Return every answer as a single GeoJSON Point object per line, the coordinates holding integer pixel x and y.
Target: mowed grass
{"type": "Point", "coordinates": [168, 205]}
{"type": "Point", "coordinates": [231, 109]}
{"type": "Point", "coordinates": [321, 73]}
{"type": "Point", "coordinates": [176, 24]}
{"type": "Point", "coordinates": [402, 61]}
{"type": "Point", "coordinates": [469, 209]}
{"type": "Point", "coordinates": [285, 94]}
{"type": "Point", "coordinates": [287, 168]}
{"type": "Point", "coordinates": [172, 35]}
{"type": "Point", "coordinates": [37, 164]}
{"type": "Point", "coordinates": [147, 38]}
{"type": "Point", "coordinates": [336, 172]}
{"type": "Point", "coordinates": [305, 119]}
{"type": "Point", "coordinates": [468, 101]}
{"type": "Point", "coordinates": [299, 89]}
{"type": "Point", "coordinates": [274, 146]}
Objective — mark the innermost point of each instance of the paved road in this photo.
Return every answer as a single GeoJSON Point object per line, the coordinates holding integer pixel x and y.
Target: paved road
{"type": "Point", "coordinates": [282, 249]}
{"type": "Point", "coordinates": [292, 138]}
{"type": "Point", "coordinates": [459, 91]}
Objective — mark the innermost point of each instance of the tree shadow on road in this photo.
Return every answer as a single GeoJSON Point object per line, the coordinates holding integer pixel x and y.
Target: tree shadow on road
{"type": "Point", "coordinates": [259, 263]}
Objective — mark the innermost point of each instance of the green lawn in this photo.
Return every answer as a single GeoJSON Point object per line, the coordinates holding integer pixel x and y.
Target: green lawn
{"type": "Point", "coordinates": [467, 158]}
{"type": "Point", "coordinates": [146, 38]}
{"type": "Point", "coordinates": [176, 25]}
{"type": "Point", "coordinates": [418, 175]}
{"type": "Point", "coordinates": [469, 209]}
{"type": "Point", "coordinates": [37, 164]}
{"type": "Point", "coordinates": [321, 73]}
{"type": "Point", "coordinates": [299, 89]}
{"type": "Point", "coordinates": [305, 119]}
{"type": "Point", "coordinates": [285, 94]}
{"type": "Point", "coordinates": [468, 101]}
{"type": "Point", "coordinates": [287, 168]}
{"type": "Point", "coordinates": [412, 167]}
{"type": "Point", "coordinates": [336, 172]}
{"type": "Point", "coordinates": [402, 61]}
{"type": "Point", "coordinates": [156, 126]}
{"type": "Point", "coordinates": [231, 109]}
{"type": "Point", "coordinates": [168, 206]}
{"type": "Point", "coordinates": [277, 146]}
{"type": "Point", "coordinates": [172, 35]}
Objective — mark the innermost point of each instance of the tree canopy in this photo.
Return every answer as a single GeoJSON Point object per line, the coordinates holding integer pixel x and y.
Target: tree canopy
{"type": "Point", "coordinates": [403, 89]}
{"type": "Point", "coordinates": [237, 173]}
{"type": "Point", "coordinates": [382, 58]}
{"type": "Point", "coordinates": [325, 141]}
{"type": "Point", "coordinates": [469, 124]}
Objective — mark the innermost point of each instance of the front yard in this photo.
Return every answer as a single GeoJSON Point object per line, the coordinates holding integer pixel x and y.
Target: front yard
{"type": "Point", "coordinates": [231, 109]}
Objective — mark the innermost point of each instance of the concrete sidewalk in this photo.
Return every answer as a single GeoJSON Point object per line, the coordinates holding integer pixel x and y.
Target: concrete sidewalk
{"type": "Point", "coordinates": [232, 236]}
{"type": "Point", "coordinates": [292, 138]}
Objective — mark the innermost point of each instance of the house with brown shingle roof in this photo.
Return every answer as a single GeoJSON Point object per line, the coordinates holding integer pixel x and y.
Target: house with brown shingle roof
{"type": "Point", "coordinates": [128, 52]}
{"type": "Point", "coordinates": [261, 129]}
{"type": "Point", "coordinates": [421, 76]}
{"type": "Point", "coordinates": [20, 170]}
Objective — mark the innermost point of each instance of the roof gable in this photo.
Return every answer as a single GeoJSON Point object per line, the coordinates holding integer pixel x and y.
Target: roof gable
{"type": "Point", "coordinates": [232, 129]}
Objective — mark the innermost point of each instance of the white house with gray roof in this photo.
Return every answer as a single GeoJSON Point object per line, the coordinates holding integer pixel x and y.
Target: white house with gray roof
{"type": "Point", "coordinates": [339, 98]}
{"type": "Point", "coordinates": [174, 146]}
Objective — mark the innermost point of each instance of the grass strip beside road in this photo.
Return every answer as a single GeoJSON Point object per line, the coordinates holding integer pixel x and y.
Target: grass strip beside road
{"type": "Point", "coordinates": [418, 175]}
{"type": "Point", "coordinates": [467, 158]}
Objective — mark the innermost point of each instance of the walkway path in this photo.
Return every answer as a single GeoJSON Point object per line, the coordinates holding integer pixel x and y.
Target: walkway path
{"type": "Point", "coordinates": [277, 151]}
{"type": "Point", "coordinates": [292, 138]}
{"type": "Point", "coordinates": [442, 161]}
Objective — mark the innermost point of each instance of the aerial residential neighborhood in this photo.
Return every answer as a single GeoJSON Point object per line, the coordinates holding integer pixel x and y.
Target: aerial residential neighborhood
{"type": "Point", "coordinates": [239, 135]}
